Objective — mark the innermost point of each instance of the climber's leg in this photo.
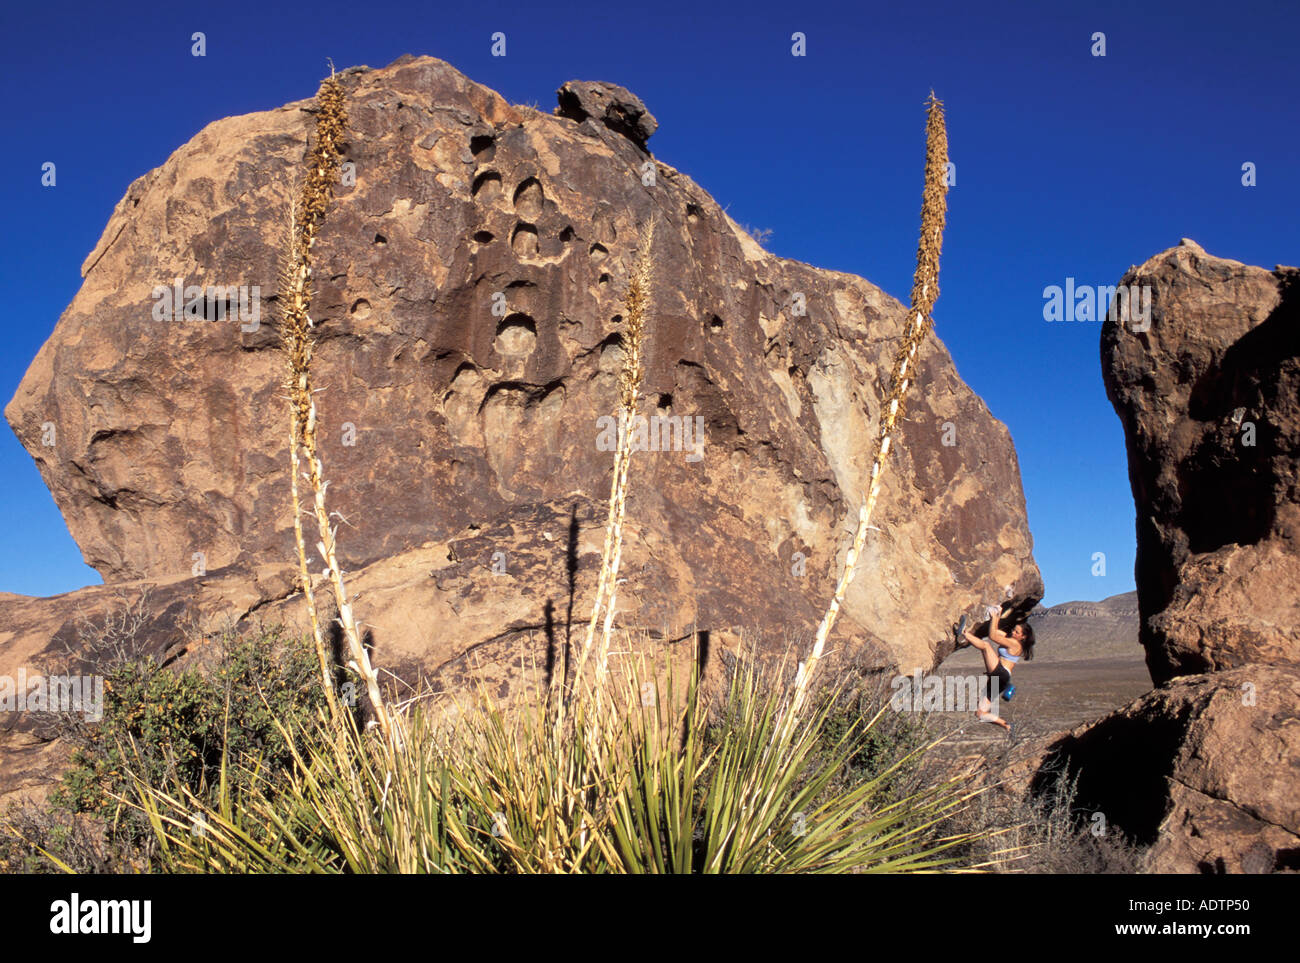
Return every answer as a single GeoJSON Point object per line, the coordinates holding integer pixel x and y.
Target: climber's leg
{"type": "Point", "coordinates": [996, 680]}
{"type": "Point", "coordinates": [988, 651]}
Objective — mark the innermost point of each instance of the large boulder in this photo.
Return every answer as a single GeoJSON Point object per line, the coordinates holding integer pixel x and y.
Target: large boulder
{"type": "Point", "coordinates": [1209, 394]}
{"type": "Point", "coordinates": [469, 295]}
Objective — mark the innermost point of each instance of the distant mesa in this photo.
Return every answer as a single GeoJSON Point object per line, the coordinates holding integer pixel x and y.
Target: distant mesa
{"type": "Point", "coordinates": [1073, 631]}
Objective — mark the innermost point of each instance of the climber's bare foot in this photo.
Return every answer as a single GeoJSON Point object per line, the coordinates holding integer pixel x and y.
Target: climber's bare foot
{"type": "Point", "coordinates": [984, 715]}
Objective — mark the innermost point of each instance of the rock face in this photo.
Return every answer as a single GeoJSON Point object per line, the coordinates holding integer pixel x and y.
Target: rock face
{"type": "Point", "coordinates": [1075, 631]}
{"type": "Point", "coordinates": [469, 285]}
{"type": "Point", "coordinates": [1210, 400]}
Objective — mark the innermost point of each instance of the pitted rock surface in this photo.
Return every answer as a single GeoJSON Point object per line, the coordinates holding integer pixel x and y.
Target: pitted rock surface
{"type": "Point", "coordinates": [469, 294]}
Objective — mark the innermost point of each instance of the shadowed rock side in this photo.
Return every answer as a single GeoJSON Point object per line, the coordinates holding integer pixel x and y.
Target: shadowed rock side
{"type": "Point", "coordinates": [469, 289]}
{"type": "Point", "coordinates": [1210, 401]}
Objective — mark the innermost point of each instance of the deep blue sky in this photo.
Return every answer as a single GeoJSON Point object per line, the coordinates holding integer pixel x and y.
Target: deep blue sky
{"type": "Point", "coordinates": [1067, 165]}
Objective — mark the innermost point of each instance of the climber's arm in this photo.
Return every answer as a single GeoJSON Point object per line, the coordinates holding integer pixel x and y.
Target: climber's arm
{"type": "Point", "coordinates": [995, 630]}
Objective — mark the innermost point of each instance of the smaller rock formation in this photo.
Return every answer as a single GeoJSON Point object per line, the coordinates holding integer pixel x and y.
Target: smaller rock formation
{"type": "Point", "coordinates": [616, 107]}
{"type": "Point", "coordinates": [1203, 368]}
{"type": "Point", "coordinates": [1208, 389]}
{"type": "Point", "coordinates": [1205, 771]}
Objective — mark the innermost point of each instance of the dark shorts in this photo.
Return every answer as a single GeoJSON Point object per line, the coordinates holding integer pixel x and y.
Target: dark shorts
{"type": "Point", "coordinates": [999, 682]}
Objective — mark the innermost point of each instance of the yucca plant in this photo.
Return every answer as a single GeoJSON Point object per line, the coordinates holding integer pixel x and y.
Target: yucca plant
{"type": "Point", "coordinates": [734, 795]}
{"type": "Point", "coordinates": [354, 804]}
{"type": "Point", "coordinates": [661, 785]}
{"type": "Point", "coordinates": [305, 218]}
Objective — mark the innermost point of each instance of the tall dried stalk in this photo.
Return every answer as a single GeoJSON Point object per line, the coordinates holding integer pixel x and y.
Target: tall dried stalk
{"type": "Point", "coordinates": [317, 190]}
{"type": "Point", "coordinates": [304, 575]}
{"type": "Point", "coordinates": [630, 379]}
{"type": "Point", "coordinates": [925, 289]}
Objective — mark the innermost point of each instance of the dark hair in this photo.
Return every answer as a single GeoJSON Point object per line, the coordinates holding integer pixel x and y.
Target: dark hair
{"type": "Point", "coordinates": [1027, 643]}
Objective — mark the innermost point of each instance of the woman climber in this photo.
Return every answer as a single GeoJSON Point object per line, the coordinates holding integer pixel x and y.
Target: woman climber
{"type": "Point", "coordinates": [1001, 651]}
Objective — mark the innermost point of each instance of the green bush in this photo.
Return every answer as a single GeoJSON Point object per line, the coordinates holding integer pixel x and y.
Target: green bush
{"type": "Point", "coordinates": [169, 728]}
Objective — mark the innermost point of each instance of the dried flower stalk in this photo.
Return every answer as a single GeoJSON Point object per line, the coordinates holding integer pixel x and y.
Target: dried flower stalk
{"type": "Point", "coordinates": [317, 190]}
{"type": "Point", "coordinates": [925, 290]}
{"type": "Point", "coordinates": [630, 379]}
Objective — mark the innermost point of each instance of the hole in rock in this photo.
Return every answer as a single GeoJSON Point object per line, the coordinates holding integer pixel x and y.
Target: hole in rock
{"type": "Point", "coordinates": [524, 240]}
{"type": "Point", "coordinates": [611, 353]}
{"type": "Point", "coordinates": [529, 199]}
{"type": "Point", "coordinates": [488, 184]}
{"type": "Point", "coordinates": [516, 336]}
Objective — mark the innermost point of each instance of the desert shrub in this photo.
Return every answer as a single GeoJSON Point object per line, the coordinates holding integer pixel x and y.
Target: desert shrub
{"type": "Point", "coordinates": [177, 725]}
{"type": "Point", "coordinates": [176, 728]}
{"type": "Point", "coordinates": [1043, 832]}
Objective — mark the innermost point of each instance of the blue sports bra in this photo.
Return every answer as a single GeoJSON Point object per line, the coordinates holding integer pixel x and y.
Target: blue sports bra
{"type": "Point", "coordinates": [1002, 651]}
